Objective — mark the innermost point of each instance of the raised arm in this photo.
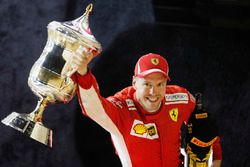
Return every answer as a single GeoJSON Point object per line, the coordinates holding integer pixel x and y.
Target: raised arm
{"type": "Point", "coordinates": [92, 103]}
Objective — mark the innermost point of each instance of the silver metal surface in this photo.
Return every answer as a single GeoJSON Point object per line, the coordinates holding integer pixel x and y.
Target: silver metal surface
{"type": "Point", "coordinates": [50, 76]}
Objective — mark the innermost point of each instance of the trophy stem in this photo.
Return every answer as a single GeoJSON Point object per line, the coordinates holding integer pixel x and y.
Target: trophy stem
{"type": "Point", "coordinates": [37, 114]}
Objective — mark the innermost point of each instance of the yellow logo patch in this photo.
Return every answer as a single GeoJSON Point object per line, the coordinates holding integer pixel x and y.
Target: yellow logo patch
{"type": "Point", "coordinates": [140, 129]}
{"type": "Point", "coordinates": [148, 131]}
{"type": "Point", "coordinates": [200, 143]}
{"type": "Point", "coordinates": [155, 61]}
{"type": "Point", "coordinates": [201, 116]}
{"type": "Point", "coordinates": [173, 113]}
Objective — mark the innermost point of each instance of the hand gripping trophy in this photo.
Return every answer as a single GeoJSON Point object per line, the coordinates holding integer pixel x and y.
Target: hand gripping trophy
{"type": "Point", "coordinates": [49, 77]}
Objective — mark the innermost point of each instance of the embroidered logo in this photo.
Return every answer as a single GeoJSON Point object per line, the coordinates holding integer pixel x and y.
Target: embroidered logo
{"type": "Point", "coordinates": [148, 131]}
{"type": "Point", "coordinates": [130, 104]}
{"type": "Point", "coordinates": [140, 129]}
{"type": "Point", "coordinates": [201, 115]}
{"type": "Point", "coordinates": [173, 113]}
{"type": "Point", "coordinates": [155, 61]}
{"type": "Point", "coordinates": [115, 102]}
{"type": "Point", "coordinates": [176, 98]}
{"type": "Point", "coordinates": [200, 143]}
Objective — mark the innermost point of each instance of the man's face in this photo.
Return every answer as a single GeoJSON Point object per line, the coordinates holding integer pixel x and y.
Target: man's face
{"type": "Point", "coordinates": [150, 91]}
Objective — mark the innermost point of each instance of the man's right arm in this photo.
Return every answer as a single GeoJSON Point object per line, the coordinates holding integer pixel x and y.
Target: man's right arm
{"type": "Point", "coordinates": [92, 103]}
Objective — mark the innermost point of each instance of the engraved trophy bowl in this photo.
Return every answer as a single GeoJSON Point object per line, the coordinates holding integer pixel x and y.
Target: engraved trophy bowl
{"type": "Point", "coordinates": [50, 76]}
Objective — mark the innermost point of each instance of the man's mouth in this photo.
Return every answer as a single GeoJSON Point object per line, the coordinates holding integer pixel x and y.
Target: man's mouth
{"type": "Point", "coordinates": [152, 99]}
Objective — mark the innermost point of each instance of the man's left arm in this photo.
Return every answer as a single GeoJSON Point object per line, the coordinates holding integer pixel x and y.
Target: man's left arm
{"type": "Point", "coordinates": [216, 163]}
{"type": "Point", "coordinates": [217, 153]}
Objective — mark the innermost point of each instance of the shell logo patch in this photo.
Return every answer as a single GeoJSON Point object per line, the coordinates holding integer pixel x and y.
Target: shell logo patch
{"type": "Point", "coordinates": [148, 131]}
{"type": "Point", "coordinates": [155, 61]}
{"type": "Point", "coordinates": [173, 113]}
{"type": "Point", "coordinates": [140, 129]}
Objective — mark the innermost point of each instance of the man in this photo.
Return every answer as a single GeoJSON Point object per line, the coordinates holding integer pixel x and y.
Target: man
{"type": "Point", "coordinates": [144, 120]}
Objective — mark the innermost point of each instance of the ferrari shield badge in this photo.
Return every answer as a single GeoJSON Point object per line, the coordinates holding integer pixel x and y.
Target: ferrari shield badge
{"type": "Point", "coordinates": [173, 113]}
{"type": "Point", "coordinates": [155, 61]}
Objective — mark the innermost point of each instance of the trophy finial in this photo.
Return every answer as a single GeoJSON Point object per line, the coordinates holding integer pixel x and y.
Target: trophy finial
{"type": "Point", "coordinates": [89, 9]}
{"type": "Point", "coordinates": [81, 24]}
{"type": "Point", "coordinates": [84, 20]}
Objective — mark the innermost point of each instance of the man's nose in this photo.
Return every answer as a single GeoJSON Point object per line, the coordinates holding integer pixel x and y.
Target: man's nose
{"type": "Point", "coordinates": [152, 90]}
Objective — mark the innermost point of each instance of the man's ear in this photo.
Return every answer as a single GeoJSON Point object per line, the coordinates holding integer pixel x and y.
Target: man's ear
{"type": "Point", "coordinates": [133, 82]}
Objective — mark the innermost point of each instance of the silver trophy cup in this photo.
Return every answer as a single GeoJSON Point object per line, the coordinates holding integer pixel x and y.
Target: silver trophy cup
{"type": "Point", "coordinates": [50, 76]}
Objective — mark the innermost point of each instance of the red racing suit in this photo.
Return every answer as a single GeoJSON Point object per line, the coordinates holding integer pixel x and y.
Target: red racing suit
{"type": "Point", "coordinates": [141, 139]}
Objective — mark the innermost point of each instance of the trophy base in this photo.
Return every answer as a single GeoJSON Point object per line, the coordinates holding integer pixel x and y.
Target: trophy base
{"type": "Point", "coordinates": [34, 130]}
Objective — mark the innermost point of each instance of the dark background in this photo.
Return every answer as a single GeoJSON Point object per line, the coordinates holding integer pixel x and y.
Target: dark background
{"type": "Point", "coordinates": [205, 41]}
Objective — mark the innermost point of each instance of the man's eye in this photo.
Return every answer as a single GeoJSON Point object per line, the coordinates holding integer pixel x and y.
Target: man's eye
{"type": "Point", "coordinates": [161, 84]}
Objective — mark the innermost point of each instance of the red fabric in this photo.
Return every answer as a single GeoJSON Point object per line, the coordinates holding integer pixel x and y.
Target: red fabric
{"type": "Point", "coordinates": [151, 139]}
{"type": "Point", "coordinates": [217, 151]}
{"type": "Point", "coordinates": [84, 80]}
{"type": "Point", "coordinates": [151, 63]}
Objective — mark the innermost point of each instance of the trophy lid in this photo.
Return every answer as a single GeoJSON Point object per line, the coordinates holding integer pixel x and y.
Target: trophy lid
{"type": "Point", "coordinates": [81, 24]}
{"type": "Point", "coordinates": [79, 28]}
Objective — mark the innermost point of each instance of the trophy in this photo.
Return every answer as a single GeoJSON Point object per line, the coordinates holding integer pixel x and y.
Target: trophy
{"type": "Point", "coordinates": [50, 76]}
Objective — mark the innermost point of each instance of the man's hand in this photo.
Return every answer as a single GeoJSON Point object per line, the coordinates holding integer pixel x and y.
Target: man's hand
{"type": "Point", "coordinates": [216, 163]}
{"type": "Point", "coordinates": [81, 59]}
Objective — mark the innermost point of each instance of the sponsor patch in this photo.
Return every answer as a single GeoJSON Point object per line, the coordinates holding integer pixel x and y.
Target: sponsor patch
{"type": "Point", "coordinates": [176, 98]}
{"type": "Point", "coordinates": [201, 116]}
{"type": "Point", "coordinates": [173, 113]}
{"type": "Point", "coordinates": [201, 143]}
{"type": "Point", "coordinates": [148, 131]}
{"type": "Point", "coordinates": [130, 104]}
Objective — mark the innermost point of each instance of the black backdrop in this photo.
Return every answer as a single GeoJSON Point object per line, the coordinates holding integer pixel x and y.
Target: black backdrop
{"type": "Point", "coordinates": [213, 61]}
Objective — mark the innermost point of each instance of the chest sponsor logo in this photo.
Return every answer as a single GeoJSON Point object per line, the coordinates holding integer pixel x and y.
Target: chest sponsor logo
{"type": "Point", "coordinates": [173, 113]}
{"type": "Point", "coordinates": [148, 131]}
{"type": "Point", "coordinates": [115, 102]}
{"type": "Point", "coordinates": [176, 98]}
{"type": "Point", "coordinates": [130, 104]}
